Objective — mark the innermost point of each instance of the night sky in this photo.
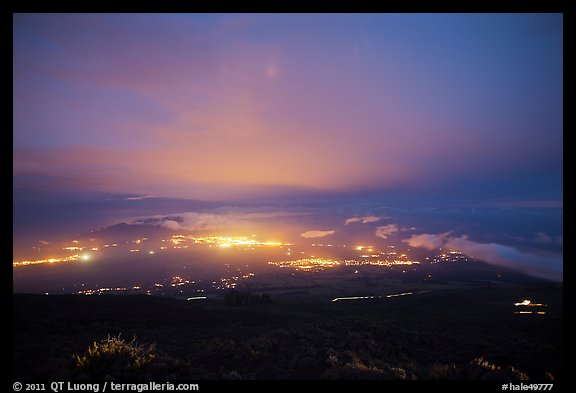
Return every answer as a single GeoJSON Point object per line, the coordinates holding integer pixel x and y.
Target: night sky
{"type": "Point", "coordinates": [423, 120]}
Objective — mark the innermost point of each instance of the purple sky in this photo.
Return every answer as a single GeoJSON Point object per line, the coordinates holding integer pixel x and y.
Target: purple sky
{"type": "Point", "coordinates": [224, 106]}
{"type": "Point", "coordinates": [442, 123]}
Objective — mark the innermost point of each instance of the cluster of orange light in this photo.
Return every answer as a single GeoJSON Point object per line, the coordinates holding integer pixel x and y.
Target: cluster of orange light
{"type": "Point", "coordinates": [223, 241]}
{"type": "Point", "coordinates": [178, 281]}
{"type": "Point", "coordinates": [73, 248]}
{"type": "Point", "coordinates": [307, 264]}
{"type": "Point", "coordinates": [102, 290]}
{"type": "Point", "coordinates": [75, 257]}
{"type": "Point", "coordinates": [353, 262]}
{"type": "Point", "coordinates": [231, 282]}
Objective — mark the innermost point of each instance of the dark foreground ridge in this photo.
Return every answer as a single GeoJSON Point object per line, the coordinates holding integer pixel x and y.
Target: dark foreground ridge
{"type": "Point", "coordinates": [447, 334]}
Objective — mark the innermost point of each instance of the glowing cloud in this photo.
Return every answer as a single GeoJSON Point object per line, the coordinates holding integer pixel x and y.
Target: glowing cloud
{"type": "Point", "coordinates": [368, 219]}
{"type": "Point", "coordinates": [386, 230]}
{"type": "Point", "coordinates": [363, 220]}
{"type": "Point", "coordinates": [216, 220]}
{"type": "Point", "coordinates": [313, 234]}
{"type": "Point", "coordinates": [427, 240]}
{"type": "Point", "coordinates": [192, 221]}
{"type": "Point", "coordinates": [352, 220]}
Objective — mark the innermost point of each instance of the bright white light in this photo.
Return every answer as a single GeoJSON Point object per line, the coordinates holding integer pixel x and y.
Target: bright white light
{"type": "Point", "coordinates": [85, 257]}
{"type": "Point", "coordinates": [197, 298]}
{"type": "Point", "coordinates": [523, 303]}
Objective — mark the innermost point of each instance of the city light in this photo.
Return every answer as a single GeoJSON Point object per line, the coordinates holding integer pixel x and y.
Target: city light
{"type": "Point", "coordinates": [222, 241]}
{"type": "Point", "coordinates": [528, 303]}
{"type": "Point", "coordinates": [99, 291]}
{"type": "Point", "coordinates": [178, 281]}
{"type": "Point", "coordinates": [378, 262]}
{"type": "Point", "coordinates": [307, 264]}
{"type": "Point", "coordinates": [48, 260]}
{"type": "Point", "coordinates": [235, 278]}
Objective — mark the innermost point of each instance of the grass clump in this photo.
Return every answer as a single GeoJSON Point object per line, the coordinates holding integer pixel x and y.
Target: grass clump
{"type": "Point", "coordinates": [114, 357]}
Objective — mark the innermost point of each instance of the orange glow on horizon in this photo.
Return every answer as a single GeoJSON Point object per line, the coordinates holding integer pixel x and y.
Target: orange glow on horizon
{"type": "Point", "coordinates": [223, 241]}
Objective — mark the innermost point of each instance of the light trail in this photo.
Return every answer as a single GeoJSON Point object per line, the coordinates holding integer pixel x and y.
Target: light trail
{"type": "Point", "coordinates": [378, 297]}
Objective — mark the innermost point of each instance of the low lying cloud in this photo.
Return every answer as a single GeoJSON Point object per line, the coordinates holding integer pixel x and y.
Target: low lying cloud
{"type": "Point", "coordinates": [363, 220]}
{"type": "Point", "coordinates": [549, 267]}
{"type": "Point", "coordinates": [427, 240]}
{"type": "Point", "coordinates": [386, 230]}
{"type": "Point", "coordinates": [313, 234]}
{"type": "Point", "coordinates": [543, 266]}
{"type": "Point", "coordinates": [215, 221]}
{"type": "Point", "coordinates": [197, 221]}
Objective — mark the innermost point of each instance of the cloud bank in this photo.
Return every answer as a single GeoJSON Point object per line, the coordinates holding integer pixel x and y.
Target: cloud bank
{"type": "Point", "coordinates": [216, 221]}
{"type": "Point", "coordinates": [549, 267]}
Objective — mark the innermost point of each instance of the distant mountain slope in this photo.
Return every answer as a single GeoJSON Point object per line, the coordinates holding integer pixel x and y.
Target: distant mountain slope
{"type": "Point", "coordinates": [125, 232]}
